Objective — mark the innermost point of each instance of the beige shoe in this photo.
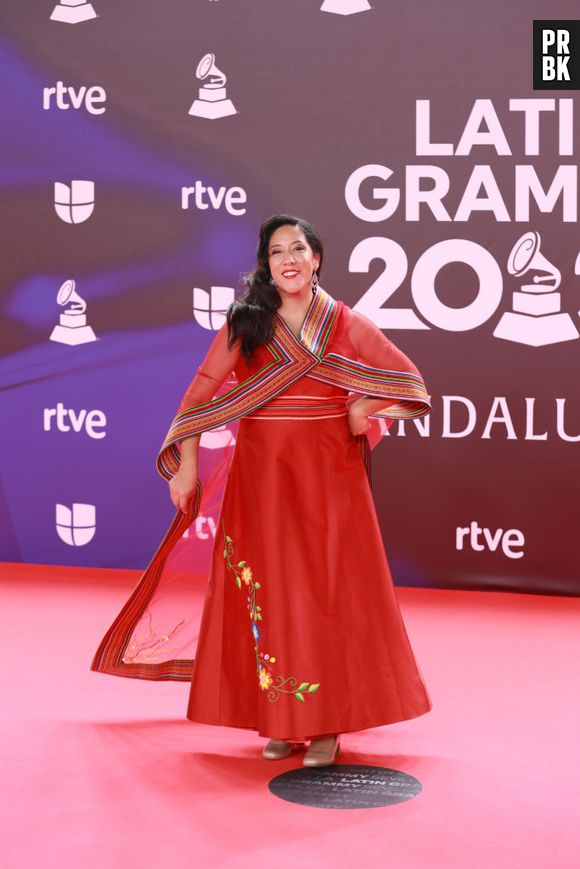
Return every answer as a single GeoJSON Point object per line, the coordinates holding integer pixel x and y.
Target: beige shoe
{"type": "Point", "coordinates": [322, 751]}
{"type": "Point", "coordinates": [276, 749]}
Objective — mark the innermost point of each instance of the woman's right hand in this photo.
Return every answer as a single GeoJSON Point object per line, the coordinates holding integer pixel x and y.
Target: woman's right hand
{"type": "Point", "coordinates": [182, 486]}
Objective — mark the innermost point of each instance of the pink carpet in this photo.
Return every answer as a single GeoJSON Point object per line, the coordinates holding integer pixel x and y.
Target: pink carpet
{"type": "Point", "coordinates": [105, 772]}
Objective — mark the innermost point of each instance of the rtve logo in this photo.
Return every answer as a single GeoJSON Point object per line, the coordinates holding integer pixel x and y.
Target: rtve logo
{"type": "Point", "coordinates": [233, 199]}
{"type": "Point", "coordinates": [92, 421]}
{"type": "Point", "coordinates": [62, 97]}
{"type": "Point", "coordinates": [204, 528]}
{"type": "Point", "coordinates": [511, 540]}
{"type": "Point", "coordinates": [556, 47]}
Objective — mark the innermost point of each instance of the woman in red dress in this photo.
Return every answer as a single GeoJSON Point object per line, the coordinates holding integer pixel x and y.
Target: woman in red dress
{"type": "Point", "coordinates": [301, 635]}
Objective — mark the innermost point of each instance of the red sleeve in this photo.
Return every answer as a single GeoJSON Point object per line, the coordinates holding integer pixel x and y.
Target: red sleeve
{"type": "Point", "coordinates": [218, 364]}
{"type": "Point", "coordinates": [374, 348]}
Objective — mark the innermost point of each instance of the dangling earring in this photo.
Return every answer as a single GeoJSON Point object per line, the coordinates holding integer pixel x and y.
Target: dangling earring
{"type": "Point", "coordinates": [272, 283]}
{"type": "Point", "coordinates": [314, 281]}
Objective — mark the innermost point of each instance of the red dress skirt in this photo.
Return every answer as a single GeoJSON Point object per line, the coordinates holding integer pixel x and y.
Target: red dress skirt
{"type": "Point", "coordinates": [301, 633]}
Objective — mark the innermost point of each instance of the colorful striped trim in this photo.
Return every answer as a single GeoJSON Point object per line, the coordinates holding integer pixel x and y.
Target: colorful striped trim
{"type": "Point", "coordinates": [291, 361]}
{"type": "Point", "coordinates": [301, 407]}
{"type": "Point", "coordinates": [320, 315]}
{"type": "Point", "coordinates": [243, 399]}
{"type": "Point", "coordinates": [376, 383]}
{"type": "Point", "coordinates": [109, 656]}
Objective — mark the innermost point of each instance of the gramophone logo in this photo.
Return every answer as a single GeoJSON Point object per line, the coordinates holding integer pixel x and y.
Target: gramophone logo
{"type": "Point", "coordinates": [74, 204]}
{"type": "Point", "coordinates": [536, 318]}
{"type": "Point", "coordinates": [76, 527]}
{"type": "Point", "coordinates": [345, 7]}
{"type": "Point", "coordinates": [209, 309]}
{"type": "Point", "coordinates": [72, 327]}
{"type": "Point", "coordinates": [73, 11]}
{"type": "Point", "coordinates": [212, 102]}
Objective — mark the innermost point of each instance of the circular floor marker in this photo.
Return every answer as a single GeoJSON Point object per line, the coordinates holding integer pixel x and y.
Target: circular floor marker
{"type": "Point", "coordinates": [345, 786]}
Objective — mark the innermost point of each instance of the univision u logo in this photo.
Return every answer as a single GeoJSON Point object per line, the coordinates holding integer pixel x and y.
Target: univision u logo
{"type": "Point", "coordinates": [76, 527]}
{"type": "Point", "coordinates": [74, 203]}
{"type": "Point", "coordinates": [209, 309]}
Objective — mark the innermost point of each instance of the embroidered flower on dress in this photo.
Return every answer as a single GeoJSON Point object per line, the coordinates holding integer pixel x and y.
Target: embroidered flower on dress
{"type": "Point", "coordinates": [265, 678]}
{"type": "Point", "coordinates": [275, 685]}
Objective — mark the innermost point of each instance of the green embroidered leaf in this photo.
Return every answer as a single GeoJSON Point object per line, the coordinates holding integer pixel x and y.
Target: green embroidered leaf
{"type": "Point", "coordinates": [299, 696]}
{"type": "Point", "coordinates": [314, 687]}
{"type": "Point", "coordinates": [238, 582]}
{"type": "Point", "coordinates": [258, 607]}
{"type": "Point", "coordinates": [229, 539]}
{"type": "Point", "coordinates": [259, 616]}
{"type": "Point", "coordinates": [257, 585]}
{"type": "Point", "coordinates": [304, 686]}
{"type": "Point", "coordinates": [241, 563]}
{"type": "Point", "coordinates": [225, 553]}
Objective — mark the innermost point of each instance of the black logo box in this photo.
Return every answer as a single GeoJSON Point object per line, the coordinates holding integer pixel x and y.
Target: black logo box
{"type": "Point", "coordinates": [561, 60]}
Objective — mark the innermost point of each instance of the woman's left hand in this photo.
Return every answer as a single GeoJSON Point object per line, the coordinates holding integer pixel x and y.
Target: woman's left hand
{"type": "Point", "coordinates": [358, 420]}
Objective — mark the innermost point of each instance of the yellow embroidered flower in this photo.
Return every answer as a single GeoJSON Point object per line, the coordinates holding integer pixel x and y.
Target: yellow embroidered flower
{"type": "Point", "coordinates": [265, 678]}
{"type": "Point", "coordinates": [247, 574]}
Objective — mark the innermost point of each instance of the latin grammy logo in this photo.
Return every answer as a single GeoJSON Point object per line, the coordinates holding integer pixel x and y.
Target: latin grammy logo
{"type": "Point", "coordinates": [74, 203]}
{"type": "Point", "coordinates": [345, 7]}
{"type": "Point", "coordinates": [536, 318]}
{"type": "Point", "coordinates": [73, 11]}
{"type": "Point", "coordinates": [212, 102]}
{"type": "Point", "coordinates": [72, 328]}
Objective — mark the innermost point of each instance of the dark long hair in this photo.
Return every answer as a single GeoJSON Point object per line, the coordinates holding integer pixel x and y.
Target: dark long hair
{"type": "Point", "coordinates": [251, 318]}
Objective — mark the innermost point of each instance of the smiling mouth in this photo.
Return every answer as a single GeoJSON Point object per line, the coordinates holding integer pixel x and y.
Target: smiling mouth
{"type": "Point", "coordinates": [291, 273]}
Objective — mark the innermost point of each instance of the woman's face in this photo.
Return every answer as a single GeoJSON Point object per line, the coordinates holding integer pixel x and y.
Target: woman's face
{"type": "Point", "coordinates": [291, 259]}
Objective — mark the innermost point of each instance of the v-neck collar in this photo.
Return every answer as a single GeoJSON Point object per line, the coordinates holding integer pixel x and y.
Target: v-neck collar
{"type": "Point", "coordinates": [317, 324]}
{"type": "Point", "coordinates": [299, 337]}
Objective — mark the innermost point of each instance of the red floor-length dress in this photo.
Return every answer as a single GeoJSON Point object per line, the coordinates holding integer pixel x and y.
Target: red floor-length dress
{"type": "Point", "coordinates": [301, 633]}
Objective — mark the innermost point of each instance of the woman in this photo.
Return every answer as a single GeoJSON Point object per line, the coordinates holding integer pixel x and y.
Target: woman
{"type": "Point", "coordinates": [301, 635]}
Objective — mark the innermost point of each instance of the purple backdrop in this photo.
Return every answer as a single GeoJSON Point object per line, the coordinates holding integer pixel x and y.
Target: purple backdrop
{"type": "Point", "coordinates": [442, 184]}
